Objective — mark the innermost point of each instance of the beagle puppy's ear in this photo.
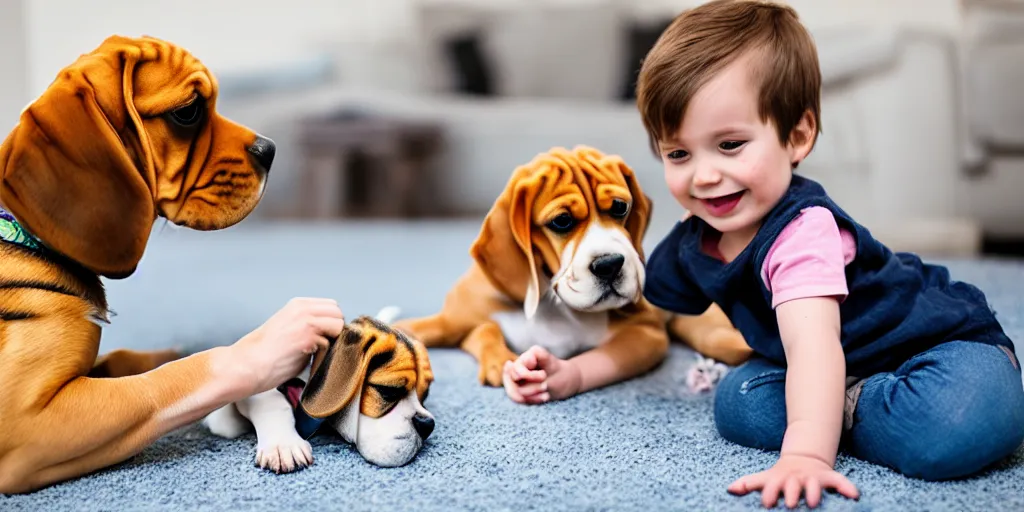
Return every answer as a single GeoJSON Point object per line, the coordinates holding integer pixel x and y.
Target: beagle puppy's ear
{"type": "Point", "coordinates": [504, 248]}
{"type": "Point", "coordinates": [424, 373]}
{"type": "Point", "coordinates": [337, 374]}
{"type": "Point", "coordinates": [640, 212]}
{"type": "Point", "coordinates": [66, 174]}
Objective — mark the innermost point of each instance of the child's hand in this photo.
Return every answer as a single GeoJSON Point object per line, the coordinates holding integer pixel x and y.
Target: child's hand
{"type": "Point", "coordinates": [537, 377]}
{"type": "Point", "coordinates": [791, 475]}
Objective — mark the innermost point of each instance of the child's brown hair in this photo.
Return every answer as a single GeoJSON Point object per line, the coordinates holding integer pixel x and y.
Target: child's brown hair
{"type": "Point", "coordinates": [701, 41]}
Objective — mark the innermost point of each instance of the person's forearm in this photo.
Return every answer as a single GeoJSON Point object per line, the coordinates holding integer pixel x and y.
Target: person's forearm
{"type": "Point", "coordinates": [815, 393]}
{"type": "Point", "coordinates": [632, 351]}
{"type": "Point", "coordinates": [595, 369]}
{"type": "Point", "coordinates": [815, 383]}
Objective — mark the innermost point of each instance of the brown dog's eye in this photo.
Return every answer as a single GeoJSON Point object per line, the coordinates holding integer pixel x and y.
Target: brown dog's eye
{"type": "Point", "coordinates": [189, 115]}
{"type": "Point", "coordinates": [563, 223]}
{"type": "Point", "coordinates": [389, 393]}
{"type": "Point", "coordinates": [619, 208]}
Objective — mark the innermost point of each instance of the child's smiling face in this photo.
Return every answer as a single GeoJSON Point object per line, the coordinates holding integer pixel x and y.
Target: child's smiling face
{"type": "Point", "coordinates": [725, 164]}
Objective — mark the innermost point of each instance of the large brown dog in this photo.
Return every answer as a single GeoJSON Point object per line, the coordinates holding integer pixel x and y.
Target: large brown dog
{"type": "Point", "coordinates": [126, 133]}
{"type": "Point", "coordinates": [559, 263]}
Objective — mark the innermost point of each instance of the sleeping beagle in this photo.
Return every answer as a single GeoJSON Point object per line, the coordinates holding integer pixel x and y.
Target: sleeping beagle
{"type": "Point", "coordinates": [126, 133]}
{"type": "Point", "coordinates": [369, 387]}
{"type": "Point", "coordinates": [559, 263]}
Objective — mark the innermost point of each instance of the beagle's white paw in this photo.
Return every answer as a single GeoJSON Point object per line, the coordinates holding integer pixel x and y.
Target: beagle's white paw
{"type": "Point", "coordinates": [284, 454]}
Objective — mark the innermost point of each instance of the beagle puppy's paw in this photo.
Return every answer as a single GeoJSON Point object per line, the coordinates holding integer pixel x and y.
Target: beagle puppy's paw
{"type": "Point", "coordinates": [283, 452]}
{"type": "Point", "coordinates": [279, 448]}
{"type": "Point", "coordinates": [492, 364]}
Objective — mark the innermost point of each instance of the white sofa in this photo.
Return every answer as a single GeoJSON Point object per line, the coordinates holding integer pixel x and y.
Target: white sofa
{"type": "Point", "coordinates": [890, 151]}
{"type": "Point", "coordinates": [992, 72]}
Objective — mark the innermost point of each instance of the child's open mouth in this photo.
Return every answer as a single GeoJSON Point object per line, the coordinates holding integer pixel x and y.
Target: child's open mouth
{"type": "Point", "coordinates": [722, 205]}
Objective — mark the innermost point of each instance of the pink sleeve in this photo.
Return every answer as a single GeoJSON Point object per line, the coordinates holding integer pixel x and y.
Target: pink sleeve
{"type": "Point", "coordinates": [809, 258]}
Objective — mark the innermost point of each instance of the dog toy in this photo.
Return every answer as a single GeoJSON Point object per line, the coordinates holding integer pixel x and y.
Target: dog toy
{"type": "Point", "coordinates": [704, 374]}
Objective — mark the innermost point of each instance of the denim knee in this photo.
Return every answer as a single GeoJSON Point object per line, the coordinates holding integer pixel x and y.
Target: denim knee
{"type": "Point", "coordinates": [750, 405]}
{"type": "Point", "coordinates": [973, 412]}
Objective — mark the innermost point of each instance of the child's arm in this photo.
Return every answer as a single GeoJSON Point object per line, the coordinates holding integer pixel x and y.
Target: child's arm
{"type": "Point", "coordinates": [537, 376]}
{"type": "Point", "coordinates": [815, 392]}
{"type": "Point", "coordinates": [805, 273]}
{"type": "Point", "coordinates": [815, 379]}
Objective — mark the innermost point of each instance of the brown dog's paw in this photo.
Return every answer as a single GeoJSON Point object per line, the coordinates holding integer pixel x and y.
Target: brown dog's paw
{"type": "Point", "coordinates": [492, 364]}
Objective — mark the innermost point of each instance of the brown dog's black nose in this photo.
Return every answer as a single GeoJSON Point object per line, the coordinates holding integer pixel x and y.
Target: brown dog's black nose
{"type": "Point", "coordinates": [424, 425]}
{"type": "Point", "coordinates": [607, 266]}
{"type": "Point", "coordinates": [263, 150]}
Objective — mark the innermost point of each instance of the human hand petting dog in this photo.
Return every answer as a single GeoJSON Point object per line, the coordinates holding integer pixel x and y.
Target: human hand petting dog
{"type": "Point", "coordinates": [280, 348]}
{"type": "Point", "coordinates": [536, 377]}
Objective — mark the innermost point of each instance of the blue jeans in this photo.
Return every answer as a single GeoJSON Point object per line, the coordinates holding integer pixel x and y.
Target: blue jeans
{"type": "Point", "coordinates": [945, 413]}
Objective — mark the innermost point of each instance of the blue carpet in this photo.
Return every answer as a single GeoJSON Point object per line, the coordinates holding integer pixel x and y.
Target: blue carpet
{"type": "Point", "coordinates": [646, 445]}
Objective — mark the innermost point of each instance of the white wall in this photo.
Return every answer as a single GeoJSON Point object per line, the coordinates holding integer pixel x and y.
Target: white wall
{"type": "Point", "coordinates": [227, 35]}
{"type": "Point", "coordinates": [14, 90]}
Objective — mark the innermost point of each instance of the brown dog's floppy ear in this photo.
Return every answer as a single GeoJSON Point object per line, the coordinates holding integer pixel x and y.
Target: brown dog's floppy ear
{"type": "Point", "coordinates": [66, 173]}
{"type": "Point", "coordinates": [640, 212]}
{"type": "Point", "coordinates": [504, 248]}
{"type": "Point", "coordinates": [336, 375]}
{"type": "Point", "coordinates": [424, 373]}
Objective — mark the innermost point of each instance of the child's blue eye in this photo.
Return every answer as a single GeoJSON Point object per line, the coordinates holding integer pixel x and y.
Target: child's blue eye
{"type": "Point", "coordinates": [732, 145]}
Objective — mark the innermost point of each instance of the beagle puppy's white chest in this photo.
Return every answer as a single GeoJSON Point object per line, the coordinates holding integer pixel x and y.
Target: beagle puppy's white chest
{"type": "Point", "coordinates": [555, 326]}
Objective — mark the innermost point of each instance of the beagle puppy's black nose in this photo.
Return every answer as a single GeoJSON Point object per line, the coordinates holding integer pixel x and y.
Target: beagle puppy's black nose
{"type": "Point", "coordinates": [263, 149]}
{"type": "Point", "coordinates": [607, 266]}
{"type": "Point", "coordinates": [424, 425]}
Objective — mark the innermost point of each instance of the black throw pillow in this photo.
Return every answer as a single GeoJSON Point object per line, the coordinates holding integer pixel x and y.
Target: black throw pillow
{"type": "Point", "coordinates": [640, 39]}
{"type": "Point", "coordinates": [469, 65]}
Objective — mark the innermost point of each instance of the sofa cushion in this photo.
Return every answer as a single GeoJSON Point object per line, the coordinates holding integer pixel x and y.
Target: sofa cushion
{"type": "Point", "coordinates": [551, 50]}
{"type": "Point", "coordinates": [993, 71]}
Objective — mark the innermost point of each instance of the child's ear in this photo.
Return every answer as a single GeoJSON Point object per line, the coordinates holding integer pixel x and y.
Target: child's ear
{"type": "Point", "coordinates": [802, 138]}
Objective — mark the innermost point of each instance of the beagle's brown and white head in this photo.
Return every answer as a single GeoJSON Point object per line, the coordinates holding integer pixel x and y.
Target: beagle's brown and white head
{"type": "Point", "coordinates": [569, 223]}
{"type": "Point", "coordinates": [126, 133]}
{"type": "Point", "coordinates": [370, 385]}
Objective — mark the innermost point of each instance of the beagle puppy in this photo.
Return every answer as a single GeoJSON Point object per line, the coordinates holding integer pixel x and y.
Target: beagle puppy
{"type": "Point", "coordinates": [369, 387]}
{"type": "Point", "coordinates": [126, 133]}
{"type": "Point", "coordinates": [559, 263]}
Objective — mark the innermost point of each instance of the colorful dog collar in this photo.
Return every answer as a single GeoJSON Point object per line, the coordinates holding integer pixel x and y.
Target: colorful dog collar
{"type": "Point", "coordinates": [12, 231]}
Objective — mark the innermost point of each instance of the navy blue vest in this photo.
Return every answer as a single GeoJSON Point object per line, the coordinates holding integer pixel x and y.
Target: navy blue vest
{"type": "Point", "coordinates": [897, 305]}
